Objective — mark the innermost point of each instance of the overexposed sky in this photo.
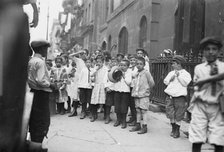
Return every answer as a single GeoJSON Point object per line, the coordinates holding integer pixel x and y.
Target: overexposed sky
{"type": "Point", "coordinates": [40, 32]}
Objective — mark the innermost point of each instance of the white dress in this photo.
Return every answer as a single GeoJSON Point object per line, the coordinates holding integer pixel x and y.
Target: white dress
{"type": "Point", "coordinates": [99, 94]}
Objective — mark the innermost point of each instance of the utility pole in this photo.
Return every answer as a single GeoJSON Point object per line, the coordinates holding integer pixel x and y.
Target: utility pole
{"type": "Point", "coordinates": [47, 21]}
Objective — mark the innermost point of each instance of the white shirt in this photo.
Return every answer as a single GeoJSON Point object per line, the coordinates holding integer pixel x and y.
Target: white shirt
{"type": "Point", "coordinates": [85, 79]}
{"type": "Point", "coordinates": [124, 84]}
{"type": "Point", "coordinates": [178, 87]}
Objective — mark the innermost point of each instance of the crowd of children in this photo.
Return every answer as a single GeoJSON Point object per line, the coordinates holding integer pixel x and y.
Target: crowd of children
{"type": "Point", "coordinates": [83, 80]}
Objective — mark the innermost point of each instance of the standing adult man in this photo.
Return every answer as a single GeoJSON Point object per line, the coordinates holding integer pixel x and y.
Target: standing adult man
{"type": "Point", "coordinates": [207, 123]}
{"type": "Point", "coordinates": [39, 82]}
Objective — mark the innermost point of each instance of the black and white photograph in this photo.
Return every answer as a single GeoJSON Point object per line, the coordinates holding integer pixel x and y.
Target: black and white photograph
{"type": "Point", "coordinates": [111, 76]}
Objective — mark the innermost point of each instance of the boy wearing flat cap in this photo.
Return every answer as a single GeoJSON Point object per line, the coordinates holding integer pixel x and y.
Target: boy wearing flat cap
{"type": "Point", "coordinates": [207, 123]}
{"type": "Point", "coordinates": [177, 81]}
{"type": "Point", "coordinates": [120, 57]}
{"type": "Point", "coordinates": [41, 86]}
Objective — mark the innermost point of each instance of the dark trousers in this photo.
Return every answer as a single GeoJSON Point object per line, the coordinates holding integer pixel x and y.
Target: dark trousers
{"type": "Point", "coordinates": [121, 100]}
{"type": "Point", "coordinates": [85, 97]}
{"type": "Point", "coordinates": [40, 116]}
{"type": "Point", "coordinates": [110, 98]}
{"type": "Point", "coordinates": [132, 107]}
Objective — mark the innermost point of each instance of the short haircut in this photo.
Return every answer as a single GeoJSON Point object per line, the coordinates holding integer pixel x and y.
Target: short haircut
{"type": "Point", "coordinates": [101, 57]}
{"type": "Point", "coordinates": [140, 49]}
{"type": "Point", "coordinates": [87, 51]}
{"type": "Point", "coordinates": [141, 59]}
{"type": "Point", "coordinates": [126, 61]}
{"type": "Point", "coordinates": [131, 57]}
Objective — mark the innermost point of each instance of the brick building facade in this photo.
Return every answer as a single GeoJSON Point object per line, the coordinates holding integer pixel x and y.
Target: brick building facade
{"type": "Point", "coordinates": [124, 25]}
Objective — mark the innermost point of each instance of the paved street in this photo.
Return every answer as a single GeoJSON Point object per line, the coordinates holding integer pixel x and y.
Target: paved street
{"type": "Point", "coordinates": [75, 135]}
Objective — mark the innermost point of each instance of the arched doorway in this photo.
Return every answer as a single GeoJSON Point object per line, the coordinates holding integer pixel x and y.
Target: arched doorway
{"type": "Point", "coordinates": [104, 45]}
{"type": "Point", "coordinates": [143, 32]}
{"type": "Point", "coordinates": [123, 41]}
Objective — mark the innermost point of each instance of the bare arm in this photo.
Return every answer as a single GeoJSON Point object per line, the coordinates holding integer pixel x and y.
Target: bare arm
{"type": "Point", "coordinates": [212, 78]}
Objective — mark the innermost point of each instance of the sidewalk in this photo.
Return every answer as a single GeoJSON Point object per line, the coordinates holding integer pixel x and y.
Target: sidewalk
{"type": "Point", "coordinates": [70, 134]}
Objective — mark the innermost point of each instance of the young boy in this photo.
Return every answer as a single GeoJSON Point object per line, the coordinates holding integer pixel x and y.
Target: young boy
{"type": "Point", "coordinates": [140, 52]}
{"type": "Point", "coordinates": [141, 90]}
{"type": "Point", "coordinates": [109, 88]}
{"type": "Point", "coordinates": [85, 87]}
{"type": "Point", "coordinates": [134, 72]}
{"type": "Point", "coordinates": [207, 123]}
{"type": "Point", "coordinates": [122, 94]}
{"type": "Point", "coordinates": [177, 81]}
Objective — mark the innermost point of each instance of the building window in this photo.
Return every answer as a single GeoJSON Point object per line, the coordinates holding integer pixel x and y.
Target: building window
{"type": "Point", "coordinates": [104, 45]}
{"type": "Point", "coordinates": [143, 32]}
{"type": "Point", "coordinates": [123, 41]}
{"type": "Point", "coordinates": [109, 43]}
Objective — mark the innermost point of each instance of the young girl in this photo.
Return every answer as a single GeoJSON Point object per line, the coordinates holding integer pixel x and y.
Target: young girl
{"type": "Point", "coordinates": [85, 87]}
{"type": "Point", "coordinates": [72, 88]}
{"type": "Point", "coordinates": [141, 90]}
{"type": "Point", "coordinates": [59, 76]}
{"type": "Point", "coordinates": [122, 94]}
{"type": "Point", "coordinates": [98, 94]}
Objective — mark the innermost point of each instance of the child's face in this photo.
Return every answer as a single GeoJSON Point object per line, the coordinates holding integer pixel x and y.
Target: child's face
{"type": "Point", "coordinates": [119, 58]}
{"type": "Point", "coordinates": [58, 63]}
{"type": "Point", "coordinates": [73, 64]}
{"type": "Point", "coordinates": [99, 63]}
{"type": "Point", "coordinates": [140, 65]}
{"type": "Point", "coordinates": [133, 61]}
{"type": "Point", "coordinates": [48, 66]}
{"type": "Point", "coordinates": [211, 52]}
{"type": "Point", "coordinates": [123, 66]}
{"type": "Point", "coordinates": [88, 63]}
{"type": "Point", "coordinates": [140, 53]}
{"type": "Point", "coordinates": [113, 63]}
{"type": "Point", "coordinates": [175, 65]}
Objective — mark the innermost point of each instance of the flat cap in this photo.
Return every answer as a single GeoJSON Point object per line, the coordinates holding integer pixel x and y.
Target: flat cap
{"type": "Point", "coordinates": [179, 59]}
{"type": "Point", "coordinates": [39, 43]}
{"type": "Point", "coordinates": [120, 54]}
{"type": "Point", "coordinates": [210, 40]}
{"type": "Point", "coordinates": [140, 49]}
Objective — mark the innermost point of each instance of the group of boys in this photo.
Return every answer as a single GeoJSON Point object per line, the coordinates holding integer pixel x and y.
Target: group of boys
{"type": "Point", "coordinates": [133, 90]}
{"type": "Point", "coordinates": [207, 102]}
